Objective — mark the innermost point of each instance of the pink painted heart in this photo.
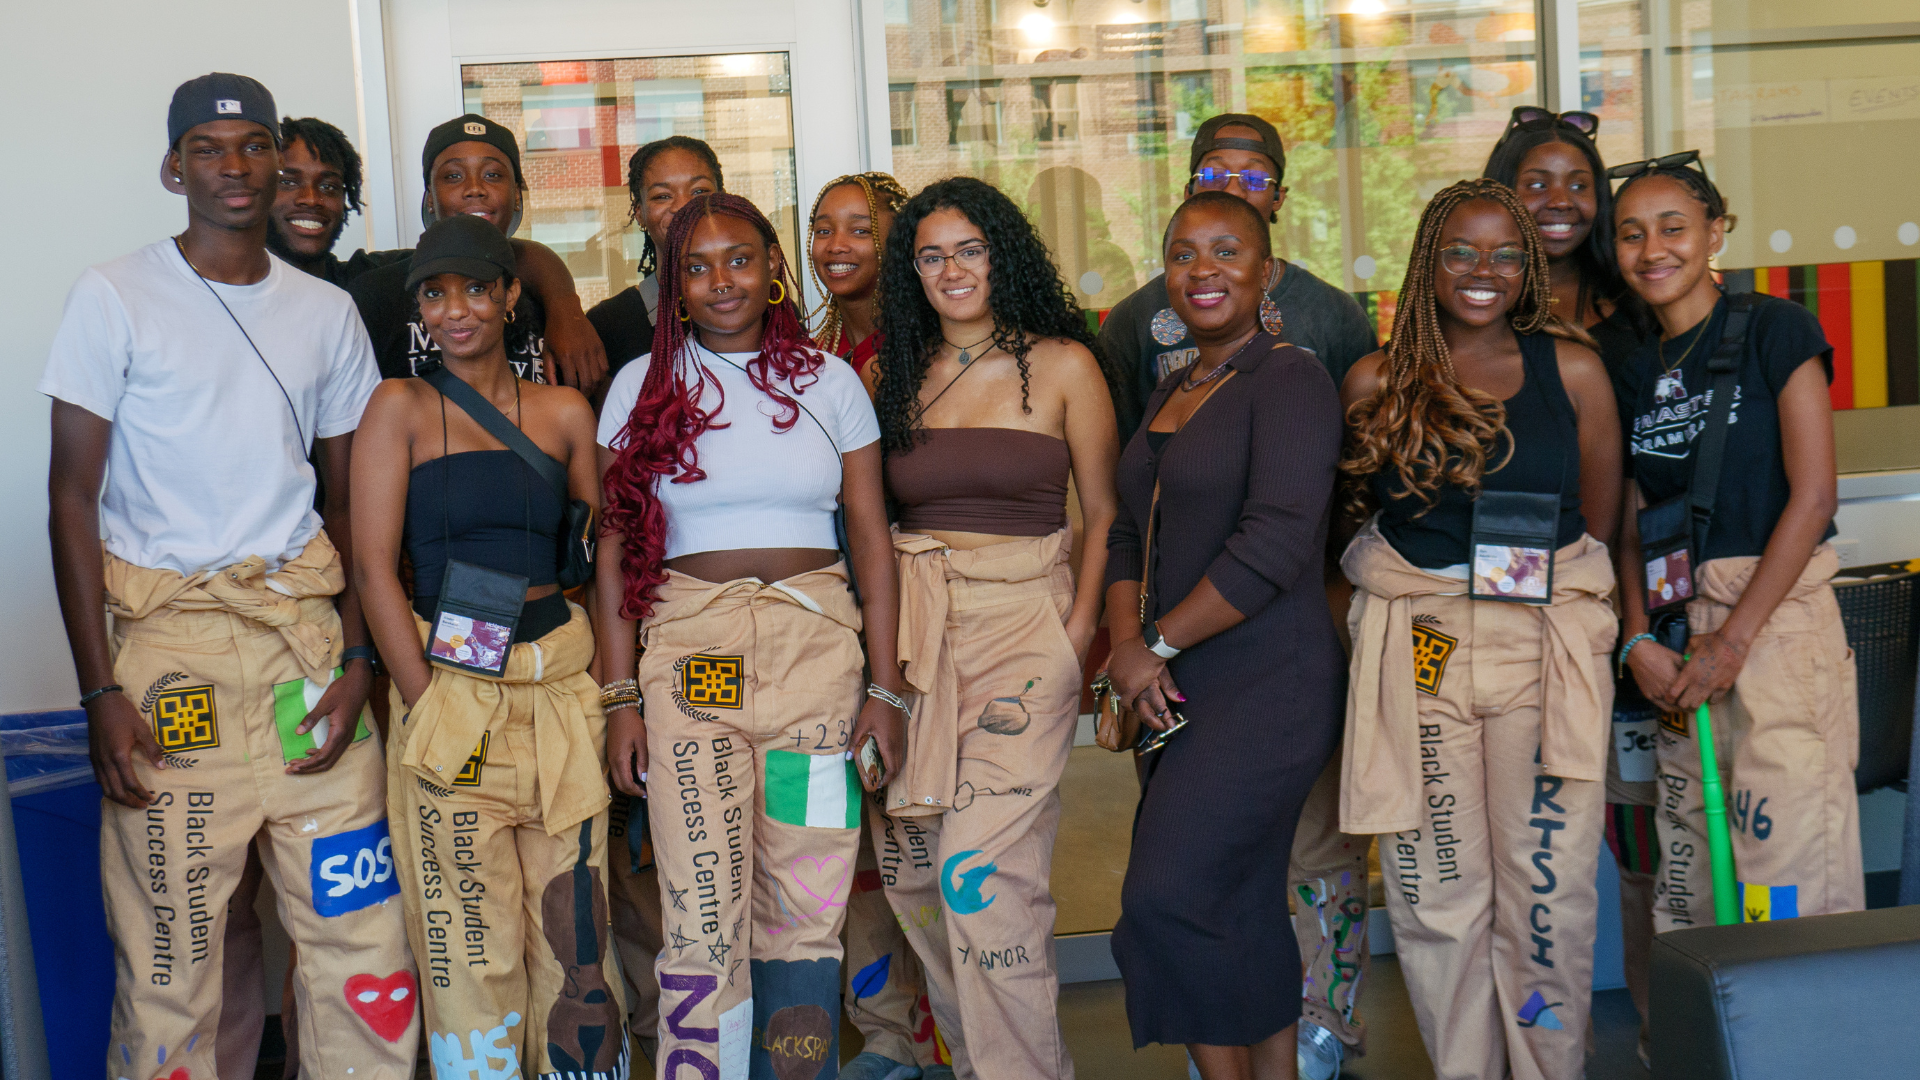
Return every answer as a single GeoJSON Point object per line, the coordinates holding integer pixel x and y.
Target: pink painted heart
{"type": "Point", "coordinates": [823, 879]}
{"type": "Point", "coordinates": [385, 1004]}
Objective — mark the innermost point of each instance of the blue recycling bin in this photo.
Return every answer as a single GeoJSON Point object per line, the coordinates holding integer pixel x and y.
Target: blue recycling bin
{"type": "Point", "coordinates": [56, 821]}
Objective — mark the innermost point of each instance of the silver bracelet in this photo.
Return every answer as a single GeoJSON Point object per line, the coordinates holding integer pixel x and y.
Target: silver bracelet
{"type": "Point", "coordinates": [881, 693]}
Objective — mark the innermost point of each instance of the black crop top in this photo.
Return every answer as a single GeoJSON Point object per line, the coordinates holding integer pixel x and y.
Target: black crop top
{"type": "Point", "coordinates": [1546, 458]}
{"type": "Point", "coordinates": [502, 515]}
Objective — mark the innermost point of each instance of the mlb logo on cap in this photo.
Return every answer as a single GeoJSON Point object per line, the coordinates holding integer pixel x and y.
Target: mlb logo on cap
{"type": "Point", "coordinates": [474, 128]}
{"type": "Point", "coordinates": [227, 105]}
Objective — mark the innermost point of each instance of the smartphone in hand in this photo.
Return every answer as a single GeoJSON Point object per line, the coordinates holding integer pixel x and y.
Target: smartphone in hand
{"type": "Point", "coordinates": [872, 768]}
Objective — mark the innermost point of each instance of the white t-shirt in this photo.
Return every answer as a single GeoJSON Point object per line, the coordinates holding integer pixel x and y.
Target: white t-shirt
{"type": "Point", "coordinates": [205, 466]}
{"type": "Point", "coordinates": [764, 488]}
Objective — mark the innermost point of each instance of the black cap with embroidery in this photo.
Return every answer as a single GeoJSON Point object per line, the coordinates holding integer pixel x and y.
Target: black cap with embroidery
{"type": "Point", "coordinates": [220, 96]}
{"type": "Point", "coordinates": [462, 244]}
{"type": "Point", "coordinates": [1206, 140]}
{"type": "Point", "coordinates": [470, 128]}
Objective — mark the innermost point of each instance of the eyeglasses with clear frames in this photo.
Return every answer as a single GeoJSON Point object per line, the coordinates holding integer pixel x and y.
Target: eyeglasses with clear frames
{"type": "Point", "coordinates": [1461, 260]}
{"type": "Point", "coordinates": [971, 257]}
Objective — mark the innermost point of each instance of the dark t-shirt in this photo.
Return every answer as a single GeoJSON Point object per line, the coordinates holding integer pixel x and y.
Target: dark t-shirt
{"type": "Point", "coordinates": [1320, 318]}
{"type": "Point", "coordinates": [625, 328]}
{"type": "Point", "coordinates": [1668, 412]}
{"type": "Point", "coordinates": [400, 341]}
{"type": "Point", "coordinates": [343, 273]}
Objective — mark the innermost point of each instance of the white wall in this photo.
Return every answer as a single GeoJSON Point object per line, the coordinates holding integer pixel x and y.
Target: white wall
{"type": "Point", "coordinates": [90, 81]}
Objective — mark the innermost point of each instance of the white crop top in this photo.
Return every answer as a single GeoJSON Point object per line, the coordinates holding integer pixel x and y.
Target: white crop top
{"type": "Point", "coordinates": [764, 488]}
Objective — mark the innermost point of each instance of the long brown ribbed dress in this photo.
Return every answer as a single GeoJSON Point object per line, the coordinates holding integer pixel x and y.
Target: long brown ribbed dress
{"type": "Point", "coordinates": [1204, 941]}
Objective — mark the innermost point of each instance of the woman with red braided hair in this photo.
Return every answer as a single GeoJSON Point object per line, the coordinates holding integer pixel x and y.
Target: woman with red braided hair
{"type": "Point", "coordinates": [725, 452]}
{"type": "Point", "coordinates": [1486, 438]}
{"type": "Point", "coordinates": [850, 222]}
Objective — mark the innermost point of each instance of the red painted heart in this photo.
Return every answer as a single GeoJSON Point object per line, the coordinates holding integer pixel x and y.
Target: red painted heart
{"type": "Point", "coordinates": [180, 1073]}
{"type": "Point", "coordinates": [385, 1004]}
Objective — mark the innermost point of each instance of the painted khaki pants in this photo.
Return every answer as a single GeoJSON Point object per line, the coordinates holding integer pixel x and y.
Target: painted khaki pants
{"type": "Point", "coordinates": [223, 694]}
{"type": "Point", "coordinates": [1493, 898]}
{"type": "Point", "coordinates": [970, 880]}
{"type": "Point", "coordinates": [507, 920]}
{"type": "Point", "coordinates": [751, 692]}
{"type": "Point", "coordinates": [1328, 879]}
{"type": "Point", "coordinates": [634, 894]}
{"type": "Point", "coordinates": [1787, 737]}
{"type": "Point", "coordinates": [884, 985]}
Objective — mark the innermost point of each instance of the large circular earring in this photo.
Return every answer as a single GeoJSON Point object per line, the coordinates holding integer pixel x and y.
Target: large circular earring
{"type": "Point", "coordinates": [510, 315]}
{"type": "Point", "coordinates": [782, 298]}
{"type": "Point", "coordinates": [680, 305]}
{"type": "Point", "coordinates": [1270, 318]}
{"type": "Point", "coordinates": [1167, 327]}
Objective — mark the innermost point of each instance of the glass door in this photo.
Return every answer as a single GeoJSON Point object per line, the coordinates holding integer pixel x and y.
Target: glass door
{"type": "Point", "coordinates": [579, 121]}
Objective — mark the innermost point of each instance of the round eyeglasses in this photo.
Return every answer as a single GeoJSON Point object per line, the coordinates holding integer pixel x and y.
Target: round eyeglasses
{"type": "Point", "coordinates": [971, 257]}
{"type": "Point", "coordinates": [1461, 260]}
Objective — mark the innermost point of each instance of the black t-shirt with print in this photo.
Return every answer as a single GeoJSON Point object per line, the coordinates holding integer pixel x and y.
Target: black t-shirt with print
{"type": "Point", "coordinates": [400, 342]}
{"type": "Point", "coordinates": [1668, 412]}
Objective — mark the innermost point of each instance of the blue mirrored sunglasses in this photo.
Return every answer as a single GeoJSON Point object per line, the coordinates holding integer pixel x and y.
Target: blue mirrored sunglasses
{"type": "Point", "coordinates": [1252, 180]}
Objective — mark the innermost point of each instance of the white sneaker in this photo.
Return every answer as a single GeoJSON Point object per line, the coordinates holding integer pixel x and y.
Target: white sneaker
{"type": "Point", "coordinates": [1320, 1052]}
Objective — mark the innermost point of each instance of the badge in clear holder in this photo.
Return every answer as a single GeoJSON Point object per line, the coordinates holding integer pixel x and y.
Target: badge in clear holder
{"type": "Point", "coordinates": [1512, 546]}
{"type": "Point", "coordinates": [475, 618]}
{"type": "Point", "coordinates": [1666, 548]}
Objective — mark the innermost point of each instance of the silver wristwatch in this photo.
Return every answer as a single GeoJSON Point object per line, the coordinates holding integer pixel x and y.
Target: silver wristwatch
{"type": "Point", "coordinates": [1156, 644]}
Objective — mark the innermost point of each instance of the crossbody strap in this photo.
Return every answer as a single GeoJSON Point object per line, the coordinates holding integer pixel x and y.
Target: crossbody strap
{"type": "Point", "coordinates": [1711, 451]}
{"type": "Point", "coordinates": [497, 425]}
{"type": "Point", "coordinates": [1153, 508]}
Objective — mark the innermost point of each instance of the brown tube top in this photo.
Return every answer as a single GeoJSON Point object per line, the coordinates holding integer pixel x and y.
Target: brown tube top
{"type": "Point", "coordinates": [1001, 481]}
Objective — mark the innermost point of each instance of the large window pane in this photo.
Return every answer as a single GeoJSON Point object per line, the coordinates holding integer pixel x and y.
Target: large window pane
{"type": "Point", "coordinates": [1083, 111]}
{"type": "Point", "coordinates": [580, 120]}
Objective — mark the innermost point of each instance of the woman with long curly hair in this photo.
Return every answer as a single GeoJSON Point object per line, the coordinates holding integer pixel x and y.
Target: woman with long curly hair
{"type": "Point", "coordinates": [1485, 438]}
{"type": "Point", "coordinates": [849, 223]}
{"type": "Point", "coordinates": [725, 452]}
{"type": "Point", "coordinates": [989, 400]}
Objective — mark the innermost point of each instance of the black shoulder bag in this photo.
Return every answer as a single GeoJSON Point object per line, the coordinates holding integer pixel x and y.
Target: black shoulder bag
{"type": "Point", "coordinates": [577, 540]}
{"type": "Point", "coordinates": [1673, 532]}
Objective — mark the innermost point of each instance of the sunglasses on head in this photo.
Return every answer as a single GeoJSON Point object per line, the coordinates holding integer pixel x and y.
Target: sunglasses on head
{"type": "Point", "coordinates": [1216, 179]}
{"type": "Point", "coordinates": [1672, 161]}
{"type": "Point", "coordinates": [1535, 118]}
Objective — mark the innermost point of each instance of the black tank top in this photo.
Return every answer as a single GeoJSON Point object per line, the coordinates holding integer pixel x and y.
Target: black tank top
{"type": "Point", "coordinates": [490, 497]}
{"type": "Point", "coordinates": [1546, 458]}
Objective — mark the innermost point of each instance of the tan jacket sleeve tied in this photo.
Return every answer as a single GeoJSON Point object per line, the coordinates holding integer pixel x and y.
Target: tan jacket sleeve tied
{"type": "Point", "coordinates": [296, 600]}
{"type": "Point", "coordinates": [1807, 606]}
{"type": "Point", "coordinates": [823, 592]}
{"type": "Point", "coordinates": [1380, 788]}
{"type": "Point", "coordinates": [935, 579]}
{"type": "Point", "coordinates": [547, 677]}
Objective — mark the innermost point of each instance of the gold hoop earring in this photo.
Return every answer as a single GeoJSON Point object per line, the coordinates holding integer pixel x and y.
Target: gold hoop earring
{"type": "Point", "coordinates": [681, 306]}
{"type": "Point", "coordinates": [782, 298]}
{"type": "Point", "coordinates": [509, 314]}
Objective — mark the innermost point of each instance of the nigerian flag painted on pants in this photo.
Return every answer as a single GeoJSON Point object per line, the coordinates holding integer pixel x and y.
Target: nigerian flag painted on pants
{"type": "Point", "coordinates": [817, 790]}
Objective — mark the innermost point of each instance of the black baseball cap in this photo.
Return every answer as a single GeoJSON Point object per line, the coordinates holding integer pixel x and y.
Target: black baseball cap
{"type": "Point", "coordinates": [461, 244]}
{"type": "Point", "coordinates": [470, 128]}
{"type": "Point", "coordinates": [220, 96]}
{"type": "Point", "coordinates": [1206, 141]}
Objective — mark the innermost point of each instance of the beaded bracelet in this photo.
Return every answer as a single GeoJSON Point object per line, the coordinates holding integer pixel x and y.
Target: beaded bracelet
{"type": "Point", "coordinates": [1621, 664]}
{"type": "Point", "coordinates": [619, 695]}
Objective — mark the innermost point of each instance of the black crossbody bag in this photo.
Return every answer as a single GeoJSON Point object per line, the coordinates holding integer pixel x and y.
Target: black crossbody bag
{"type": "Point", "coordinates": [1673, 532]}
{"type": "Point", "coordinates": [577, 539]}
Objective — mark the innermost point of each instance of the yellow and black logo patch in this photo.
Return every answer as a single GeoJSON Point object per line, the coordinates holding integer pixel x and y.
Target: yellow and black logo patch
{"type": "Point", "coordinates": [713, 681]}
{"type": "Point", "coordinates": [1675, 722]}
{"type": "Point", "coordinates": [1430, 651]}
{"type": "Point", "coordinates": [469, 775]}
{"type": "Point", "coordinates": [183, 719]}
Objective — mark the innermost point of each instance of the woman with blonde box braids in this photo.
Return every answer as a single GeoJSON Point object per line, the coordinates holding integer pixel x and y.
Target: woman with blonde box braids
{"type": "Point", "coordinates": [1480, 689]}
{"type": "Point", "coordinates": [849, 223]}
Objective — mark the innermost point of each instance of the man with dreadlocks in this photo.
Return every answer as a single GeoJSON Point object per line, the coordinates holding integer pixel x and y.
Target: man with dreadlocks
{"type": "Point", "coordinates": [661, 177]}
{"type": "Point", "coordinates": [1485, 436]}
{"type": "Point", "coordinates": [320, 180]}
{"type": "Point", "coordinates": [725, 452]}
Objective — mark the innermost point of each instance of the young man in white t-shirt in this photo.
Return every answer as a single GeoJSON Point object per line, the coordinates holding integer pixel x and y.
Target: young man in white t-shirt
{"type": "Point", "coordinates": [196, 376]}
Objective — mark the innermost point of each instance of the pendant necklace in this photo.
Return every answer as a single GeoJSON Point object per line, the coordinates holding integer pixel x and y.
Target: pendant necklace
{"type": "Point", "coordinates": [966, 354]}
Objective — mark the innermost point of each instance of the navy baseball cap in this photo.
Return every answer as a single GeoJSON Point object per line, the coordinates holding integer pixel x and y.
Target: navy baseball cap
{"type": "Point", "coordinates": [220, 96]}
{"type": "Point", "coordinates": [461, 244]}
